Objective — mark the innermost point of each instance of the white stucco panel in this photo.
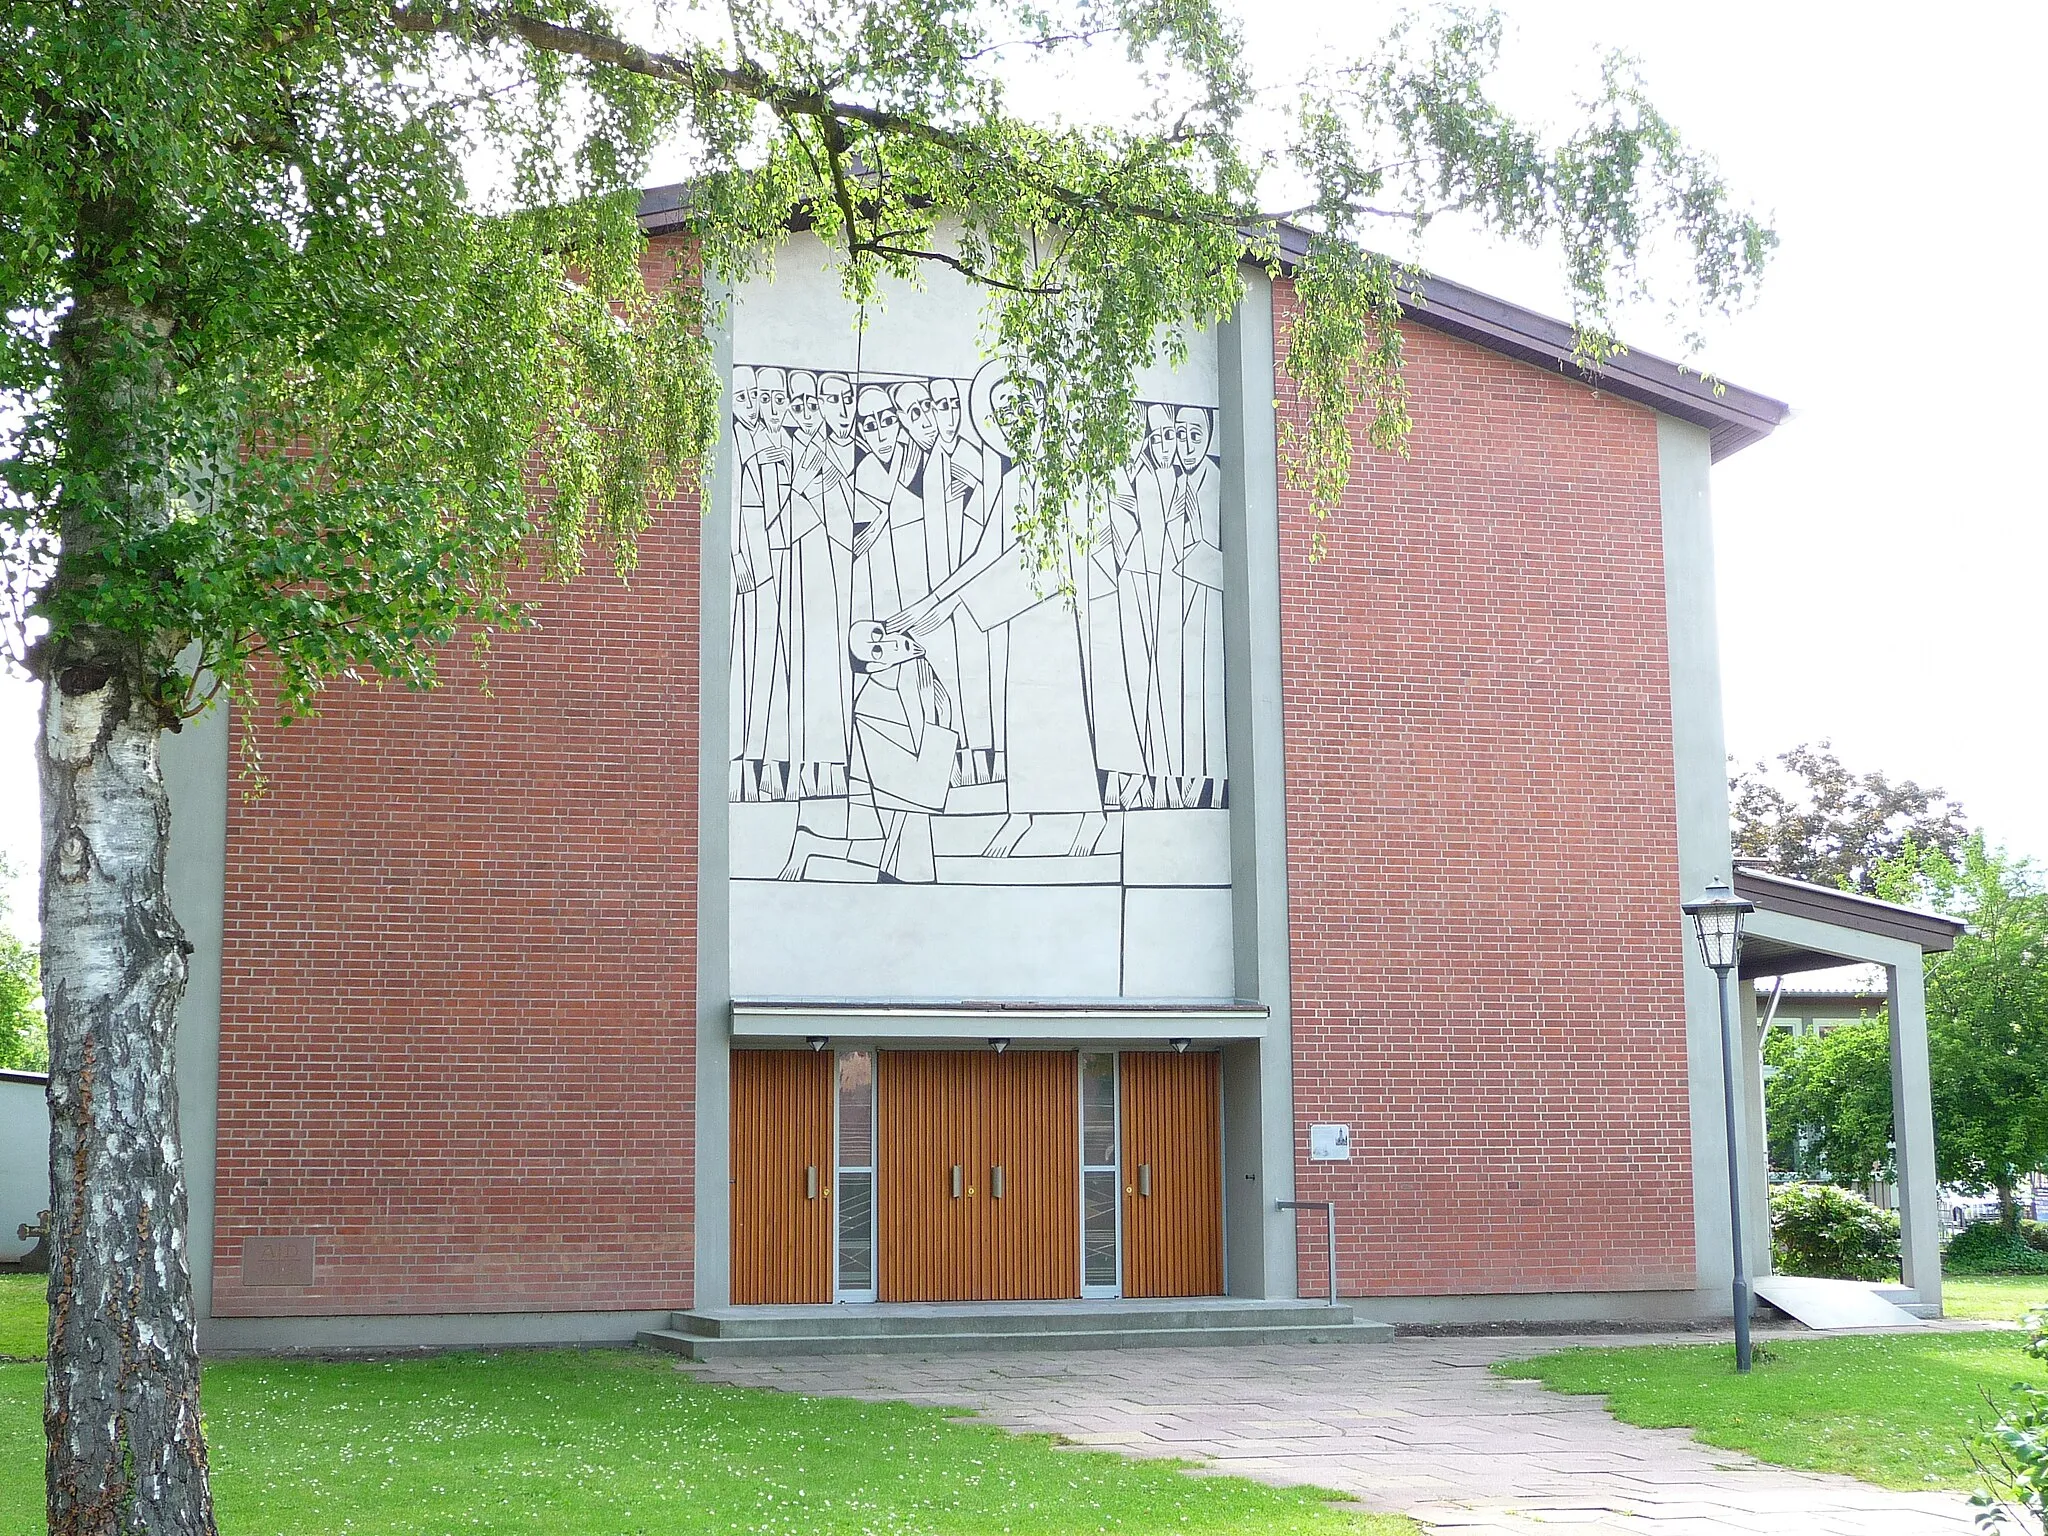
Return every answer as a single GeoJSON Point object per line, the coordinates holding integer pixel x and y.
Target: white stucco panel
{"type": "Point", "coordinates": [949, 778]}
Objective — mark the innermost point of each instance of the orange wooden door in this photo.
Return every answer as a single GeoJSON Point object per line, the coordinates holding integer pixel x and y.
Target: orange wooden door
{"type": "Point", "coordinates": [926, 1127]}
{"type": "Point", "coordinates": [1034, 1136]}
{"type": "Point", "coordinates": [782, 1176]}
{"type": "Point", "coordinates": [976, 1112]}
{"type": "Point", "coordinates": [1173, 1173]}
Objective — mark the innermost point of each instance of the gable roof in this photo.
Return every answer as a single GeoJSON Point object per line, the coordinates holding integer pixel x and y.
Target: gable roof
{"type": "Point", "coordinates": [1732, 416]}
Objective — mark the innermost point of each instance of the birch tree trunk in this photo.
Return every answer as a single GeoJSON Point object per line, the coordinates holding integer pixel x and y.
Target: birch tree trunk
{"type": "Point", "coordinates": [122, 1404]}
{"type": "Point", "coordinates": [121, 1409]}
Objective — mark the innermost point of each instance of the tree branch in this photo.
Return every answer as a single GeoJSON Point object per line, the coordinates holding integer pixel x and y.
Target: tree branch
{"type": "Point", "coordinates": [750, 81]}
{"type": "Point", "coordinates": [880, 246]}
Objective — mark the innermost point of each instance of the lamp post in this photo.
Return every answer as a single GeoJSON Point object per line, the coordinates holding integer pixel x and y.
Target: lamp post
{"type": "Point", "coordinates": [1718, 917]}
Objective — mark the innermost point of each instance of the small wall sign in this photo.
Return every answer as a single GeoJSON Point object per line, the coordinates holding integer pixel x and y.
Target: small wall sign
{"type": "Point", "coordinates": [1329, 1143]}
{"type": "Point", "coordinates": [276, 1260]}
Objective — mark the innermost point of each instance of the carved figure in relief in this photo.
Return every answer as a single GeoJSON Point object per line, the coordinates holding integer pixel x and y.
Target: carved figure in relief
{"type": "Point", "coordinates": [1051, 752]}
{"type": "Point", "coordinates": [903, 751]}
{"type": "Point", "coordinates": [896, 667]}
{"type": "Point", "coordinates": [821, 541]}
{"type": "Point", "coordinates": [1201, 564]}
{"type": "Point", "coordinates": [756, 604]}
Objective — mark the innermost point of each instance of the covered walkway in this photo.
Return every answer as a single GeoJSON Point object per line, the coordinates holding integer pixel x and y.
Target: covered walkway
{"type": "Point", "coordinates": [1800, 927]}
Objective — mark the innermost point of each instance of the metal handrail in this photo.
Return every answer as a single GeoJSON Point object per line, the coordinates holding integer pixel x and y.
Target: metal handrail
{"type": "Point", "coordinates": [1329, 1210]}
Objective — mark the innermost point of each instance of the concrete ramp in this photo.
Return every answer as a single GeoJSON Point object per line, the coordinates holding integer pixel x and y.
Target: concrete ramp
{"type": "Point", "coordinates": [1828, 1304]}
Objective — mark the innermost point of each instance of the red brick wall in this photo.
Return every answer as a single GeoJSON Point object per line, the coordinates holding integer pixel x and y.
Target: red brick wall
{"type": "Point", "coordinates": [1482, 835]}
{"type": "Point", "coordinates": [459, 986]}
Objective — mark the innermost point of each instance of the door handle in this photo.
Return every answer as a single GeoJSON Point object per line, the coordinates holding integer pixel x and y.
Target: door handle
{"type": "Point", "coordinates": [995, 1182]}
{"type": "Point", "coordinates": [1145, 1179]}
{"type": "Point", "coordinates": [810, 1181]}
{"type": "Point", "coordinates": [956, 1181]}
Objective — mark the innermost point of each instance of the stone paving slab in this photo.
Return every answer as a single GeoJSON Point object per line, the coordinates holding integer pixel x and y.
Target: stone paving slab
{"type": "Point", "coordinates": [1419, 1426]}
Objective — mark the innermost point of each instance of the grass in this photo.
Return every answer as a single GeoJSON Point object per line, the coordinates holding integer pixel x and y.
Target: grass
{"type": "Point", "coordinates": [1902, 1411]}
{"type": "Point", "coordinates": [1993, 1298]}
{"type": "Point", "coordinates": [24, 1320]}
{"type": "Point", "coordinates": [577, 1444]}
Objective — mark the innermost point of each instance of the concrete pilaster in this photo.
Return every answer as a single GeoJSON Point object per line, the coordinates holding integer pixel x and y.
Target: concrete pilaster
{"type": "Point", "coordinates": [1700, 761]}
{"type": "Point", "coordinates": [1258, 1092]}
{"type": "Point", "coordinates": [1913, 1129]}
{"type": "Point", "coordinates": [712, 1252]}
{"type": "Point", "coordinates": [195, 768]}
{"type": "Point", "coordinates": [1755, 1151]}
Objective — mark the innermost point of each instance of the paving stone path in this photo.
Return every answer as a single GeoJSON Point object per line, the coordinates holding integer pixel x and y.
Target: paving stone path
{"type": "Point", "coordinates": [1418, 1426]}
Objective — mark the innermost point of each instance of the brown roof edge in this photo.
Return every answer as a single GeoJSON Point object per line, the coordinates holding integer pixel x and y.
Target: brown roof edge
{"type": "Point", "coordinates": [1732, 416]}
{"type": "Point", "coordinates": [1846, 909]}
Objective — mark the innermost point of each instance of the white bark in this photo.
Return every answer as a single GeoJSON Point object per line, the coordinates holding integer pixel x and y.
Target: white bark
{"type": "Point", "coordinates": [122, 1405]}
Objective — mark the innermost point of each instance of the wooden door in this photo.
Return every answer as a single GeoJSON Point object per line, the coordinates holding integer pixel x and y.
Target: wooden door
{"type": "Point", "coordinates": [1173, 1173]}
{"type": "Point", "coordinates": [975, 1111]}
{"type": "Point", "coordinates": [1034, 1135]}
{"type": "Point", "coordinates": [782, 1176]}
{"type": "Point", "coordinates": [926, 1126]}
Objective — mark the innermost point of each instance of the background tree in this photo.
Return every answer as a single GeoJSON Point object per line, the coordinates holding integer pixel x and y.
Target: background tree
{"type": "Point", "coordinates": [23, 1044]}
{"type": "Point", "coordinates": [1987, 1017]}
{"type": "Point", "coordinates": [1812, 819]}
{"type": "Point", "coordinates": [321, 319]}
{"type": "Point", "coordinates": [1829, 1105]}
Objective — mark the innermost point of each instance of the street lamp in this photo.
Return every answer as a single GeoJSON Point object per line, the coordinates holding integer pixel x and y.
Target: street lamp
{"type": "Point", "coordinates": [1718, 917]}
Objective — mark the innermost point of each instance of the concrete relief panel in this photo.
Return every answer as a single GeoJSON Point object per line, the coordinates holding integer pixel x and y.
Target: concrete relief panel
{"type": "Point", "coordinates": [953, 777]}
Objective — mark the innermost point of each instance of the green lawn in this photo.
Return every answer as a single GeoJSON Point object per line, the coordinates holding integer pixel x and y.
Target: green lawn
{"type": "Point", "coordinates": [24, 1322]}
{"type": "Point", "coordinates": [1996, 1298]}
{"type": "Point", "coordinates": [1899, 1410]}
{"type": "Point", "coordinates": [576, 1444]}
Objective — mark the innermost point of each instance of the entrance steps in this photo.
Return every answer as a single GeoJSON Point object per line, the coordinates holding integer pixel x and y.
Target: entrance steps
{"type": "Point", "coordinates": [951, 1328]}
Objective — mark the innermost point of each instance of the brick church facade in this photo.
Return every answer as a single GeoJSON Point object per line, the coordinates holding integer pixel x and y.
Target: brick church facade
{"type": "Point", "coordinates": [541, 1012]}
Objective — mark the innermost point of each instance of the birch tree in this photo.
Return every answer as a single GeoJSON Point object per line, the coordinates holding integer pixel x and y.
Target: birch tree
{"type": "Point", "coordinates": [323, 316]}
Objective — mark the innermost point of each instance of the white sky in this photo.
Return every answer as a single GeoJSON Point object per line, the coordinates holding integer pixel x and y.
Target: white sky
{"type": "Point", "coordinates": [1882, 557]}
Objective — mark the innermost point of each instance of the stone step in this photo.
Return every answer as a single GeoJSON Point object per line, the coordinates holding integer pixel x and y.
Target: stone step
{"type": "Point", "coordinates": [967, 1340]}
{"type": "Point", "coordinates": [1906, 1299]}
{"type": "Point", "coordinates": [1000, 1317]}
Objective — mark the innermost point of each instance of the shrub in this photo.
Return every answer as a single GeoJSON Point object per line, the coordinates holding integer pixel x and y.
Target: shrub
{"type": "Point", "coordinates": [2036, 1234]}
{"type": "Point", "coordinates": [1817, 1229]}
{"type": "Point", "coordinates": [2017, 1474]}
{"type": "Point", "coordinates": [1987, 1248]}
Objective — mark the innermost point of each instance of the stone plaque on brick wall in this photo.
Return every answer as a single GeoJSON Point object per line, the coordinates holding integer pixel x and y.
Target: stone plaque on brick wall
{"type": "Point", "coordinates": [284, 1261]}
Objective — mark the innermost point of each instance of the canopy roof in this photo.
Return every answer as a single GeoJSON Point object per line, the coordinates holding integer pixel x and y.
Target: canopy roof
{"type": "Point", "coordinates": [1767, 956]}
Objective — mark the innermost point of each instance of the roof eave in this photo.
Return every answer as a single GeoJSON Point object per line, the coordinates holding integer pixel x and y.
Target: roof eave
{"type": "Point", "coordinates": [1932, 931]}
{"type": "Point", "coordinates": [1733, 417]}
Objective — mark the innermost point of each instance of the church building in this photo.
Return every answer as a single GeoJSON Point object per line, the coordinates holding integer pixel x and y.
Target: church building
{"type": "Point", "coordinates": [847, 916]}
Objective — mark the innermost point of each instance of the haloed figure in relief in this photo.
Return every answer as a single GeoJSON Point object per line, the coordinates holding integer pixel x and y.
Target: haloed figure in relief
{"type": "Point", "coordinates": [922, 703]}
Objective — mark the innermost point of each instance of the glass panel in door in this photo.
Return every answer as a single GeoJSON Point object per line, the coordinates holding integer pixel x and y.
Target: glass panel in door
{"type": "Point", "coordinates": [1101, 1271]}
{"type": "Point", "coordinates": [856, 1180]}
